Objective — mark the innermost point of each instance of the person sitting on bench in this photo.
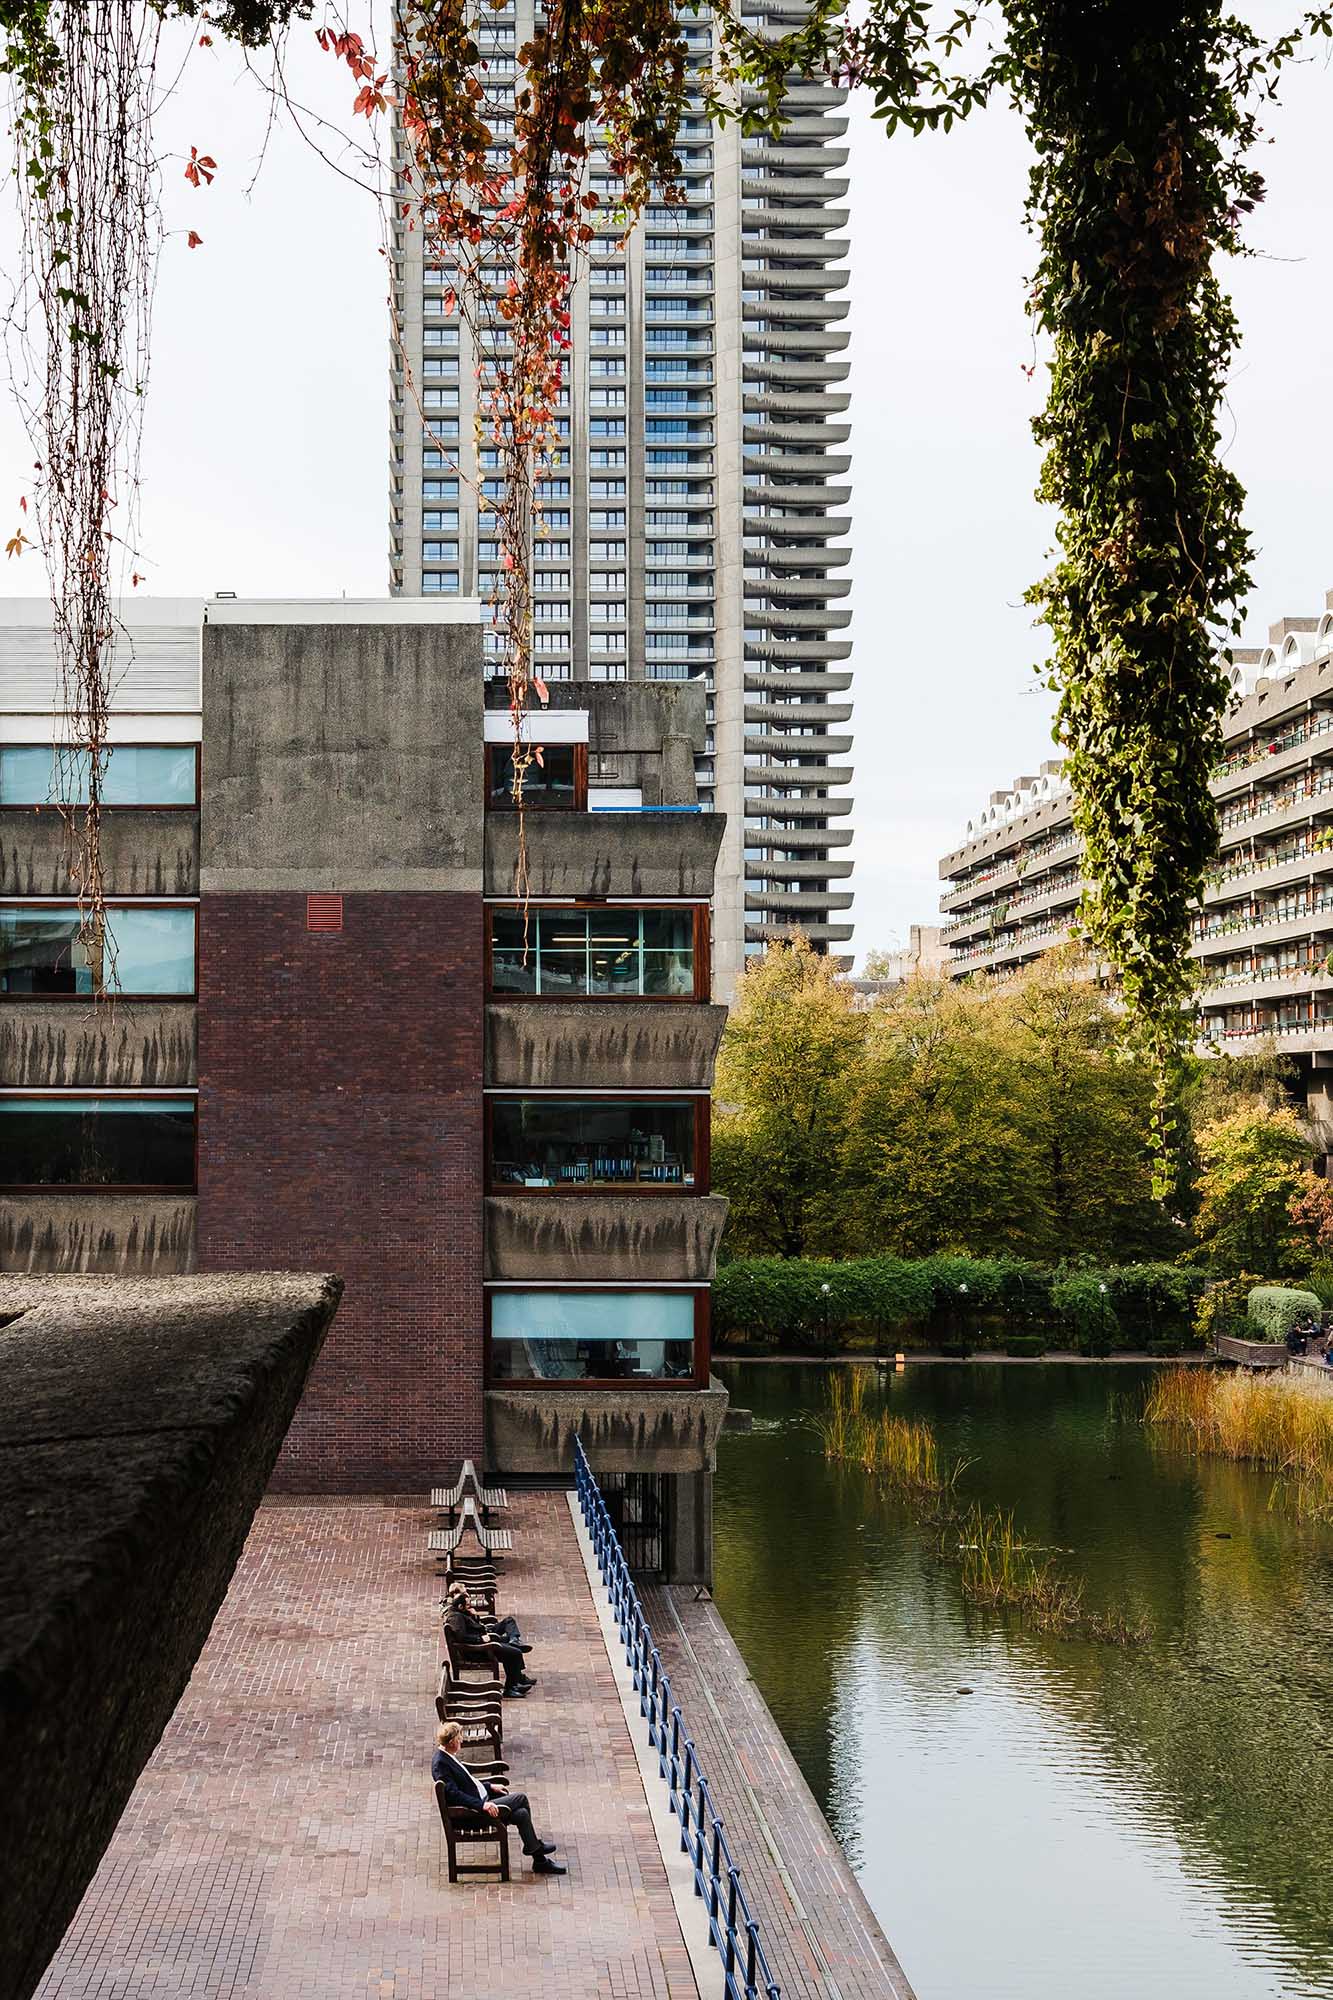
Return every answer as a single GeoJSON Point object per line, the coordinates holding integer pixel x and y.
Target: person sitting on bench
{"type": "Point", "coordinates": [468, 1630]}
{"type": "Point", "coordinates": [505, 1629]}
{"type": "Point", "coordinates": [471, 1794]}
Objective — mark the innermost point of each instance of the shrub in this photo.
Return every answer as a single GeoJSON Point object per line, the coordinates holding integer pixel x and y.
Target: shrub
{"type": "Point", "coordinates": [1025, 1346]}
{"type": "Point", "coordinates": [1223, 1306]}
{"type": "Point", "coordinates": [1275, 1309]}
{"type": "Point", "coordinates": [783, 1298]}
{"type": "Point", "coordinates": [1319, 1278]}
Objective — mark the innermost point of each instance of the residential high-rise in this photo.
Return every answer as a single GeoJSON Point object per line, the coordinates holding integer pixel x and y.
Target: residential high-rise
{"type": "Point", "coordinates": [695, 526]}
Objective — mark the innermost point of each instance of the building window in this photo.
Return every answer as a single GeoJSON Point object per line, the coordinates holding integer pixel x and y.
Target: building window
{"type": "Point", "coordinates": [556, 783]}
{"type": "Point", "coordinates": [555, 1336]}
{"type": "Point", "coordinates": [570, 1144]}
{"type": "Point", "coordinates": [603, 953]}
{"type": "Point", "coordinates": [152, 774]}
{"type": "Point", "coordinates": [141, 952]}
{"type": "Point", "coordinates": [140, 1142]}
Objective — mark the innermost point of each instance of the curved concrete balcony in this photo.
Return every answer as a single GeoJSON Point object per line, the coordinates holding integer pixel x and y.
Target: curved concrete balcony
{"type": "Point", "coordinates": [800, 746]}
{"type": "Point", "coordinates": [790, 370]}
{"type": "Point", "coordinates": [782, 933]}
{"type": "Point", "coordinates": [799, 871]}
{"type": "Point", "coordinates": [815, 249]}
{"type": "Point", "coordinates": [793, 557]}
{"type": "Point", "coordinates": [813, 280]}
{"type": "Point", "coordinates": [760, 610]}
{"type": "Point", "coordinates": [795, 494]}
{"type": "Point", "coordinates": [588, 1239]}
{"type": "Point", "coordinates": [796, 809]}
{"type": "Point", "coordinates": [143, 853]}
{"type": "Point", "coordinates": [801, 652]}
{"type": "Point", "coordinates": [775, 305]}
{"type": "Point", "coordinates": [119, 1235]}
{"type": "Point", "coordinates": [799, 838]}
{"type": "Point", "coordinates": [798, 161]}
{"type": "Point", "coordinates": [805, 777]}
{"type": "Point", "coordinates": [779, 590]}
{"type": "Point", "coordinates": [777, 465]}
{"type": "Point", "coordinates": [601, 1044]}
{"type": "Point", "coordinates": [814, 188]}
{"type": "Point", "coordinates": [792, 713]}
{"type": "Point", "coordinates": [782, 902]}
{"type": "Point", "coordinates": [808, 402]}
{"type": "Point", "coordinates": [801, 342]}
{"type": "Point", "coordinates": [797, 216]}
{"type": "Point", "coordinates": [605, 854]}
{"type": "Point", "coordinates": [756, 681]}
{"type": "Point", "coordinates": [83, 1045]}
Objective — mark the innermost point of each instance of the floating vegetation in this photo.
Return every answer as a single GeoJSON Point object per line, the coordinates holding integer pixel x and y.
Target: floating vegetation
{"type": "Point", "coordinates": [1282, 1423]}
{"type": "Point", "coordinates": [998, 1567]}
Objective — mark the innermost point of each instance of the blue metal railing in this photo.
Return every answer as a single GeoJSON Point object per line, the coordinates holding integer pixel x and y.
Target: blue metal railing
{"type": "Point", "coordinates": [717, 1879]}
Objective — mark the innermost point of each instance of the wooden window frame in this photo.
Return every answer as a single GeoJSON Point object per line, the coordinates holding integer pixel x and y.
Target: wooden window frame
{"type": "Point", "coordinates": [106, 1187]}
{"type": "Point", "coordinates": [701, 1184]}
{"type": "Point", "coordinates": [703, 1351]}
{"type": "Point", "coordinates": [702, 948]}
{"type": "Point", "coordinates": [112, 903]}
{"type": "Point", "coordinates": [579, 803]}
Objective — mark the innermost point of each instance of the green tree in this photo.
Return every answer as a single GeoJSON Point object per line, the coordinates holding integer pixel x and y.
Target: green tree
{"type": "Point", "coordinates": [1252, 1166]}
{"type": "Point", "coordinates": [788, 1068]}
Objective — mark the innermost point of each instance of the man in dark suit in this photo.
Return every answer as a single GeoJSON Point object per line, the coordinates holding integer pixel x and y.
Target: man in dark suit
{"type": "Point", "coordinates": [472, 1794]}
{"type": "Point", "coordinates": [462, 1621]}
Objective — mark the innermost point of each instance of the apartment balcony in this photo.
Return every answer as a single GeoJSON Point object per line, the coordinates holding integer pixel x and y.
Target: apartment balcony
{"type": "Point", "coordinates": [597, 1045]}
{"type": "Point", "coordinates": [774, 305]}
{"type": "Point", "coordinates": [790, 714]}
{"type": "Point", "coordinates": [801, 162]}
{"type": "Point", "coordinates": [596, 1238]}
{"type": "Point", "coordinates": [799, 491]}
{"type": "Point", "coordinates": [758, 682]}
{"type": "Point", "coordinates": [774, 744]}
{"type": "Point", "coordinates": [787, 373]}
{"type": "Point", "coordinates": [793, 558]}
{"type": "Point", "coordinates": [1306, 1037]}
{"type": "Point", "coordinates": [796, 809]}
{"type": "Point", "coordinates": [795, 590]}
{"type": "Point", "coordinates": [800, 652]}
{"type": "Point", "coordinates": [792, 620]}
{"type": "Point", "coordinates": [815, 463]}
{"type": "Point", "coordinates": [1267, 987]}
{"type": "Point", "coordinates": [815, 249]}
{"type": "Point", "coordinates": [1255, 933]}
{"type": "Point", "coordinates": [778, 870]}
{"type": "Point", "coordinates": [787, 403]}
{"type": "Point", "coordinates": [813, 188]}
{"type": "Point", "coordinates": [1298, 744]}
{"type": "Point", "coordinates": [815, 932]}
{"type": "Point", "coordinates": [1268, 875]}
{"type": "Point", "coordinates": [801, 343]}
{"type": "Point", "coordinates": [783, 903]}
{"type": "Point", "coordinates": [795, 838]}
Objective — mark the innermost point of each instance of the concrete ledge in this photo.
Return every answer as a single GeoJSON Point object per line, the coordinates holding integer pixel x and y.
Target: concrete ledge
{"type": "Point", "coordinates": [78, 1044]}
{"type": "Point", "coordinates": [606, 854]}
{"type": "Point", "coordinates": [605, 1045]}
{"type": "Point", "coordinates": [143, 853]}
{"type": "Point", "coordinates": [139, 1422]}
{"type": "Point", "coordinates": [116, 1235]}
{"type": "Point", "coordinates": [532, 1431]}
{"type": "Point", "coordinates": [586, 1238]}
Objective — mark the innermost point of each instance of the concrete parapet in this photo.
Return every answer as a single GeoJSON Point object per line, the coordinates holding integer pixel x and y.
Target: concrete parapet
{"type": "Point", "coordinates": [102, 1231]}
{"type": "Point", "coordinates": [531, 1432]}
{"type": "Point", "coordinates": [85, 1044]}
{"type": "Point", "coordinates": [143, 853]}
{"type": "Point", "coordinates": [606, 854]}
{"type": "Point", "coordinates": [592, 1238]}
{"type": "Point", "coordinates": [554, 1044]}
{"type": "Point", "coordinates": [139, 1424]}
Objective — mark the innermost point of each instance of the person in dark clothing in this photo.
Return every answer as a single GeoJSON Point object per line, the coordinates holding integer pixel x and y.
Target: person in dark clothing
{"type": "Point", "coordinates": [472, 1794]}
{"type": "Point", "coordinates": [498, 1628]}
{"type": "Point", "coordinates": [468, 1630]}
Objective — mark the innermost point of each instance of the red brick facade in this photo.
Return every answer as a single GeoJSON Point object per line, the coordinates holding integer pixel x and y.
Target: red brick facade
{"type": "Point", "coordinates": [340, 1129]}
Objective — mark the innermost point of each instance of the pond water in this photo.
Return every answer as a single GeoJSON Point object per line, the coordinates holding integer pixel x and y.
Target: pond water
{"type": "Point", "coordinates": [1031, 1816]}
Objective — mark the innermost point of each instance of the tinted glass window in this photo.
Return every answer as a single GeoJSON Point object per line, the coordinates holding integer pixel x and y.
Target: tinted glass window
{"type": "Point", "coordinates": [97, 1142]}
{"type": "Point", "coordinates": [613, 952]}
{"type": "Point", "coordinates": [141, 951]}
{"type": "Point", "coordinates": [151, 774]}
{"type": "Point", "coordinates": [548, 784]}
{"type": "Point", "coordinates": [568, 1336]}
{"type": "Point", "coordinates": [561, 1142]}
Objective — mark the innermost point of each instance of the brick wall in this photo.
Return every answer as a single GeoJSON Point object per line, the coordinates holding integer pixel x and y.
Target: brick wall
{"type": "Point", "coordinates": [340, 1130]}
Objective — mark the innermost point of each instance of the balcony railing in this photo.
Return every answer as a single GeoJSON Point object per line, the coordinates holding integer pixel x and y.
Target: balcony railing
{"type": "Point", "coordinates": [1272, 746]}
{"type": "Point", "coordinates": [717, 1879]}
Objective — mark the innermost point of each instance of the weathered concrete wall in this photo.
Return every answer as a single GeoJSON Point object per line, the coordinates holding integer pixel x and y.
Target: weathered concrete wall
{"type": "Point", "coordinates": [531, 1431]}
{"type": "Point", "coordinates": [592, 1238]}
{"type": "Point", "coordinates": [606, 854]}
{"type": "Point", "coordinates": [143, 854]}
{"type": "Point", "coordinates": [122, 1235]}
{"type": "Point", "coordinates": [626, 716]}
{"type": "Point", "coordinates": [611, 1046]}
{"type": "Point", "coordinates": [138, 1425]}
{"type": "Point", "coordinates": [342, 756]}
{"type": "Point", "coordinates": [69, 1044]}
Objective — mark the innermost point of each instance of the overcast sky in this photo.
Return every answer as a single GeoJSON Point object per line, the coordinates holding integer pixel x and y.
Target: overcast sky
{"type": "Point", "coordinates": [266, 447]}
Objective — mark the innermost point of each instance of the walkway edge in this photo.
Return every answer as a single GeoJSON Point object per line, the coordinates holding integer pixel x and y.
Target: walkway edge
{"type": "Point", "coordinates": [690, 1910]}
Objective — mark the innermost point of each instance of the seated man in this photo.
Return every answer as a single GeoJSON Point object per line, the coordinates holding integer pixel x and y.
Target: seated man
{"type": "Point", "coordinates": [469, 1793]}
{"type": "Point", "coordinates": [496, 1628]}
{"type": "Point", "coordinates": [467, 1628]}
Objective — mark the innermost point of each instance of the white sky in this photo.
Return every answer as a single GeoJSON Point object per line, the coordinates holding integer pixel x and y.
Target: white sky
{"type": "Point", "coordinates": [266, 447]}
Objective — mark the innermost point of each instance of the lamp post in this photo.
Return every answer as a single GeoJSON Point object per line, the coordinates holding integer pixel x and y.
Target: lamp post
{"type": "Point", "coordinates": [825, 1293]}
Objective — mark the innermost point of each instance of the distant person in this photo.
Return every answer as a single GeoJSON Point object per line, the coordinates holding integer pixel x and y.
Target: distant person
{"type": "Point", "coordinates": [468, 1630]}
{"type": "Point", "coordinates": [472, 1794]}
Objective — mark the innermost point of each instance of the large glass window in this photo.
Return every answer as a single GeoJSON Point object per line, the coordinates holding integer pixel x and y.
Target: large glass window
{"type": "Point", "coordinates": [591, 1336]}
{"type": "Point", "coordinates": [97, 1142]}
{"type": "Point", "coordinates": [575, 1143]}
{"type": "Point", "coordinates": [142, 951]}
{"type": "Point", "coordinates": [615, 953]}
{"type": "Point", "coordinates": [135, 774]}
{"type": "Point", "coordinates": [559, 781]}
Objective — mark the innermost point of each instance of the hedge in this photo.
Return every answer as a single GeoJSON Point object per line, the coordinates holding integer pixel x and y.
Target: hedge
{"type": "Point", "coordinates": [1274, 1309]}
{"type": "Point", "coordinates": [955, 1302]}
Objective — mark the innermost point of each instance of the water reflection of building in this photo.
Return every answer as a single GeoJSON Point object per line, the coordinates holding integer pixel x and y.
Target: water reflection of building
{"type": "Point", "coordinates": [1264, 931]}
{"type": "Point", "coordinates": [344, 1037]}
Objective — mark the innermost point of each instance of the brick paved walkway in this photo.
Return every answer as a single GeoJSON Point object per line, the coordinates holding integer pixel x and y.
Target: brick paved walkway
{"type": "Point", "coordinates": [283, 1844]}
{"type": "Point", "coordinates": [820, 1935]}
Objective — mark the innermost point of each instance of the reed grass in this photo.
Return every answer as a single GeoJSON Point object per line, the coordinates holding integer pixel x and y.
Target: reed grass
{"type": "Point", "coordinates": [1278, 1422]}
{"type": "Point", "coordinates": [999, 1567]}
{"type": "Point", "coordinates": [898, 1449]}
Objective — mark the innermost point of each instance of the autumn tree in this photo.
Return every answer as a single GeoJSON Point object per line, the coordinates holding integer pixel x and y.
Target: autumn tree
{"type": "Point", "coordinates": [1253, 1163]}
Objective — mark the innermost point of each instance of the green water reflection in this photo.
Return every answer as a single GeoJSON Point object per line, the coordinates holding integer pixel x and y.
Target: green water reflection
{"type": "Point", "coordinates": [1084, 1820]}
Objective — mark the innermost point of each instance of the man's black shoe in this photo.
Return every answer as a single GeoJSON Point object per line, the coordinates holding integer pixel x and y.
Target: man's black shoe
{"type": "Point", "coordinates": [514, 1692]}
{"type": "Point", "coordinates": [548, 1846]}
{"type": "Point", "coordinates": [524, 1649]}
{"type": "Point", "coordinates": [525, 1682]}
{"type": "Point", "coordinates": [543, 1865]}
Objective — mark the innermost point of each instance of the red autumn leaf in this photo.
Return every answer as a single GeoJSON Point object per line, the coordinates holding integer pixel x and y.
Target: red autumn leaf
{"type": "Point", "coordinates": [205, 41]}
{"type": "Point", "coordinates": [135, 580]}
{"type": "Point", "coordinates": [193, 240]}
{"type": "Point", "coordinates": [543, 692]}
{"type": "Point", "coordinates": [23, 502]}
{"type": "Point", "coordinates": [17, 543]}
{"type": "Point", "coordinates": [200, 167]}
{"type": "Point", "coordinates": [538, 758]}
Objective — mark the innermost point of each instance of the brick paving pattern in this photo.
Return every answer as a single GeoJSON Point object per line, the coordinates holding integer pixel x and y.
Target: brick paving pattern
{"type": "Point", "coordinates": [283, 1843]}
{"type": "Point", "coordinates": [820, 1935]}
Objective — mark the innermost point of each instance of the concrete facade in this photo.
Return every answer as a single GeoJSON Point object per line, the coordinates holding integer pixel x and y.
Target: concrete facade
{"type": "Point", "coordinates": [695, 518]}
{"type": "Point", "coordinates": [1263, 933]}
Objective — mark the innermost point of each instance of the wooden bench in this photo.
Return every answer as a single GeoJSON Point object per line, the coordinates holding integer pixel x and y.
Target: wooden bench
{"type": "Point", "coordinates": [462, 1655]}
{"type": "Point", "coordinates": [446, 1541]}
{"type": "Point", "coordinates": [491, 1499]}
{"type": "Point", "coordinates": [463, 1830]}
